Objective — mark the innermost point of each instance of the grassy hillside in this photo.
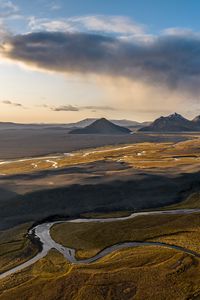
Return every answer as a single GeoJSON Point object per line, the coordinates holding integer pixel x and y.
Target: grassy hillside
{"type": "Point", "coordinates": [90, 238]}
{"type": "Point", "coordinates": [134, 273]}
{"type": "Point", "coordinates": [193, 201]}
{"type": "Point", "coordinates": [143, 228]}
{"type": "Point", "coordinates": [15, 247]}
{"type": "Point", "coordinates": [142, 192]}
{"type": "Point", "coordinates": [143, 273]}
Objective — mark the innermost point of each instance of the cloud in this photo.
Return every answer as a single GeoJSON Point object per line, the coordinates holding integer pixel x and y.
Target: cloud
{"type": "Point", "coordinates": [117, 25]}
{"type": "Point", "coordinates": [135, 71]}
{"type": "Point", "coordinates": [53, 6]}
{"type": "Point", "coordinates": [65, 108]}
{"type": "Point", "coordinates": [78, 108]}
{"type": "Point", "coordinates": [8, 9]}
{"type": "Point", "coordinates": [108, 24]}
{"type": "Point", "coordinates": [178, 31]}
{"type": "Point", "coordinates": [8, 102]}
{"type": "Point", "coordinates": [95, 107]}
{"type": "Point", "coordinates": [4, 33]}
{"type": "Point", "coordinates": [170, 60]}
{"type": "Point", "coordinates": [36, 24]}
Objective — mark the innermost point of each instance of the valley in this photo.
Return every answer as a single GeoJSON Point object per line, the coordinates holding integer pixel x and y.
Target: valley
{"type": "Point", "coordinates": [37, 192]}
{"type": "Point", "coordinates": [153, 256]}
{"type": "Point", "coordinates": [99, 150]}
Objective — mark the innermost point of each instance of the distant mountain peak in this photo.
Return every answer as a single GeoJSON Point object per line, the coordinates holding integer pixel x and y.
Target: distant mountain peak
{"type": "Point", "coordinates": [102, 120]}
{"type": "Point", "coordinates": [176, 116]}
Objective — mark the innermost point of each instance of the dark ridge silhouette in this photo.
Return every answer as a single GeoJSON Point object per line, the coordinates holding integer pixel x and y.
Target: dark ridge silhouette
{"type": "Point", "coordinates": [196, 120]}
{"type": "Point", "coordinates": [172, 123]}
{"type": "Point", "coordinates": [102, 126]}
{"type": "Point", "coordinates": [122, 122]}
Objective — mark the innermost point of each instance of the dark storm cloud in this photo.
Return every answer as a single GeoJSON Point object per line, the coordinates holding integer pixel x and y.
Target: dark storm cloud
{"type": "Point", "coordinates": [171, 60]}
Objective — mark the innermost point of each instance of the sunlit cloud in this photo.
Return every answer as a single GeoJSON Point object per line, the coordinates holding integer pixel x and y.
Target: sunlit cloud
{"type": "Point", "coordinates": [109, 24]}
{"type": "Point", "coordinates": [118, 25]}
{"type": "Point", "coordinates": [70, 107]}
{"type": "Point", "coordinates": [65, 108]}
{"type": "Point", "coordinates": [36, 24]}
{"type": "Point", "coordinates": [4, 33]}
{"type": "Point", "coordinates": [95, 107]}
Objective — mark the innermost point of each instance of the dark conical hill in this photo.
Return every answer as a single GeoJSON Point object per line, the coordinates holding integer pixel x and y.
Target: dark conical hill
{"type": "Point", "coordinates": [102, 126]}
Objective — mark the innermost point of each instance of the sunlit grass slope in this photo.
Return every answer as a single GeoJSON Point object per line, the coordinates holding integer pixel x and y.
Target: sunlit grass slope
{"type": "Point", "coordinates": [90, 238]}
{"type": "Point", "coordinates": [15, 247]}
{"type": "Point", "coordinates": [142, 273]}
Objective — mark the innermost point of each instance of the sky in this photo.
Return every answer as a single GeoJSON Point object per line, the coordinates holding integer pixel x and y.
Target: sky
{"type": "Point", "coordinates": [62, 60]}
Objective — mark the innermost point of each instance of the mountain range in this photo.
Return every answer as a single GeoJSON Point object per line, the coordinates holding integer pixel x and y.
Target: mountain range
{"type": "Point", "coordinates": [123, 122]}
{"type": "Point", "coordinates": [80, 124]}
{"type": "Point", "coordinates": [173, 123]}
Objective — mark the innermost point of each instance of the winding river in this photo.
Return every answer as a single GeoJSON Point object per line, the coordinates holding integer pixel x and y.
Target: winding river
{"type": "Point", "coordinates": [42, 232]}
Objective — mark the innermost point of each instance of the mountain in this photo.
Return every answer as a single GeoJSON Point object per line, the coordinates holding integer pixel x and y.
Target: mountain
{"type": "Point", "coordinates": [126, 123]}
{"type": "Point", "coordinates": [101, 126]}
{"type": "Point", "coordinates": [196, 120]}
{"type": "Point", "coordinates": [21, 126]}
{"type": "Point", "coordinates": [89, 121]}
{"type": "Point", "coordinates": [81, 124]}
{"type": "Point", "coordinates": [172, 123]}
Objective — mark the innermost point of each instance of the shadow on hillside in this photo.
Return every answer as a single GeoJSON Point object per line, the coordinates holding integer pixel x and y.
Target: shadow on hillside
{"type": "Point", "coordinates": [146, 191]}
